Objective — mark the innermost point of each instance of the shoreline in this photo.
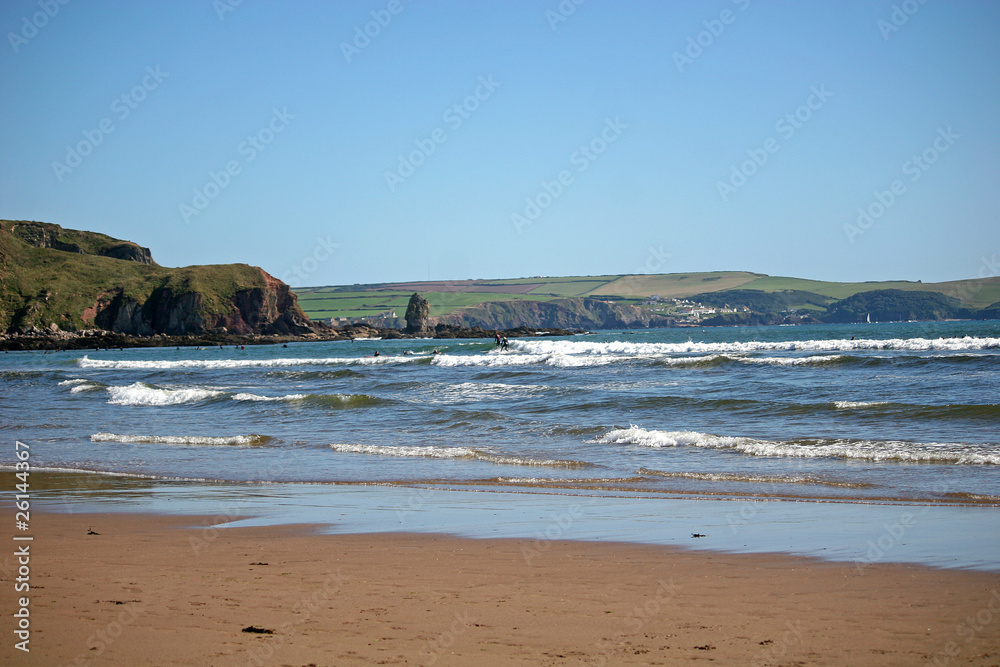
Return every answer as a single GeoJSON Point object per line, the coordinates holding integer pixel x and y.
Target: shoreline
{"type": "Point", "coordinates": [110, 588]}
{"type": "Point", "coordinates": [101, 340]}
{"type": "Point", "coordinates": [852, 534]}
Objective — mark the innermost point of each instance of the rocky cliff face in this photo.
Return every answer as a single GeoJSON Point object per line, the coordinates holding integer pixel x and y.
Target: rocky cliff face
{"type": "Point", "coordinates": [54, 279]}
{"type": "Point", "coordinates": [48, 235]}
{"type": "Point", "coordinates": [418, 311]}
{"type": "Point", "coordinates": [271, 309]}
{"type": "Point", "coordinates": [562, 314]}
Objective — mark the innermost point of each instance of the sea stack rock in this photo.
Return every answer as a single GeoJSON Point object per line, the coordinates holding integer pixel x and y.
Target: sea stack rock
{"type": "Point", "coordinates": [417, 313]}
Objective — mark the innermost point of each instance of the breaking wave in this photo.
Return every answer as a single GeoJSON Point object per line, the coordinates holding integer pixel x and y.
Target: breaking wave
{"type": "Point", "coordinates": [869, 450]}
{"type": "Point", "coordinates": [121, 364]}
{"type": "Point", "coordinates": [327, 400]}
{"type": "Point", "coordinates": [454, 453]}
{"type": "Point", "coordinates": [234, 440]}
{"type": "Point", "coordinates": [567, 347]}
{"type": "Point", "coordinates": [79, 385]}
{"type": "Point", "coordinates": [855, 405]}
{"type": "Point", "coordinates": [140, 393]}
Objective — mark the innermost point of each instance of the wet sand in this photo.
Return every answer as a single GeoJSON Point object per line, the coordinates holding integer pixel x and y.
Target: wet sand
{"type": "Point", "coordinates": [152, 590]}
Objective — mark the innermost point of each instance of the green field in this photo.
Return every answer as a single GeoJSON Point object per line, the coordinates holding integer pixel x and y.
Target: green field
{"type": "Point", "coordinates": [445, 297]}
{"type": "Point", "coordinates": [320, 304]}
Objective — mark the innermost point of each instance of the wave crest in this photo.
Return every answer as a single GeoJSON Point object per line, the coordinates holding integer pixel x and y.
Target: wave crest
{"type": "Point", "coordinates": [233, 440]}
{"type": "Point", "coordinates": [470, 453]}
{"type": "Point", "coordinates": [869, 450]}
{"type": "Point", "coordinates": [140, 393]}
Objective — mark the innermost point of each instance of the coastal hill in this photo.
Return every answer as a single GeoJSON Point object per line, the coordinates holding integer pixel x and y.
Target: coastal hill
{"type": "Point", "coordinates": [642, 300]}
{"type": "Point", "coordinates": [54, 279]}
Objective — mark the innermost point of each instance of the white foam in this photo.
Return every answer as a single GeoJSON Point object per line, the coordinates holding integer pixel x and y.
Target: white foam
{"type": "Point", "coordinates": [541, 347]}
{"type": "Point", "coordinates": [234, 440]}
{"type": "Point", "coordinates": [479, 391]}
{"type": "Point", "coordinates": [140, 393]}
{"type": "Point", "coordinates": [870, 450]}
{"type": "Point", "coordinates": [86, 362]}
{"type": "Point", "coordinates": [80, 385]}
{"type": "Point", "coordinates": [453, 453]}
{"type": "Point", "coordinates": [243, 396]}
{"type": "Point", "coordinates": [854, 405]}
{"type": "Point", "coordinates": [491, 360]}
{"type": "Point", "coordinates": [793, 361]}
{"type": "Point", "coordinates": [402, 450]}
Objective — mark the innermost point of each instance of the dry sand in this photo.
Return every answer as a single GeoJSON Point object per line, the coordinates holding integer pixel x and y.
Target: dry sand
{"type": "Point", "coordinates": [148, 590]}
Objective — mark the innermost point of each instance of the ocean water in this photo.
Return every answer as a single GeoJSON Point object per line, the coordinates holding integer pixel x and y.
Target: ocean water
{"type": "Point", "coordinates": [863, 443]}
{"type": "Point", "coordinates": [881, 414]}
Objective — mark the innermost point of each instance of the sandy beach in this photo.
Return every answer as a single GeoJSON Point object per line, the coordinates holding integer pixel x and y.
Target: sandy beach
{"type": "Point", "coordinates": [116, 589]}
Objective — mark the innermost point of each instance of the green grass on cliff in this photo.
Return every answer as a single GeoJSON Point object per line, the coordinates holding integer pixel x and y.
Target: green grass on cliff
{"type": "Point", "coordinates": [39, 286]}
{"type": "Point", "coordinates": [326, 304]}
{"type": "Point", "coordinates": [446, 297]}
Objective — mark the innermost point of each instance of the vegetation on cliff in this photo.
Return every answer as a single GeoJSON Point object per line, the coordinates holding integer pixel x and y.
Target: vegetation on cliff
{"type": "Point", "coordinates": [893, 305]}
{"type": "Point", "coordinates": [58, 279]}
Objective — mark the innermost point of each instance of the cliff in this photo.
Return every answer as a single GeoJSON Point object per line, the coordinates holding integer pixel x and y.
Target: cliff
{"type": "Point", "coordinates": [47, 235]}
{"type": "Point", "coordinates": [55, 279]}
{"type": "Point", "coordinates": [574, 313]}
{"type": "Point", "coordinates": [892, 305]}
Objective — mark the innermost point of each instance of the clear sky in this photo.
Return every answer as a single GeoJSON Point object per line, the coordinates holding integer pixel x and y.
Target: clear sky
{"type": "Point", "coordinates": [849, 140]}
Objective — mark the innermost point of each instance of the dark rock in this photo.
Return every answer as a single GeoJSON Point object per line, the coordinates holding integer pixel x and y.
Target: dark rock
{"type": "Point", "coordinates": [418, 311]}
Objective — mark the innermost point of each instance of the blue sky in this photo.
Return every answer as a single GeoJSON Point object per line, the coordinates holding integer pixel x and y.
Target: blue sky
{"type": "Point", "coordinates": [506, 139]}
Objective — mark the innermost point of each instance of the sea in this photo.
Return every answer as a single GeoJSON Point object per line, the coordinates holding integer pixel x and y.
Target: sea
{"type": "Point", "coordinates": [863, 442]}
